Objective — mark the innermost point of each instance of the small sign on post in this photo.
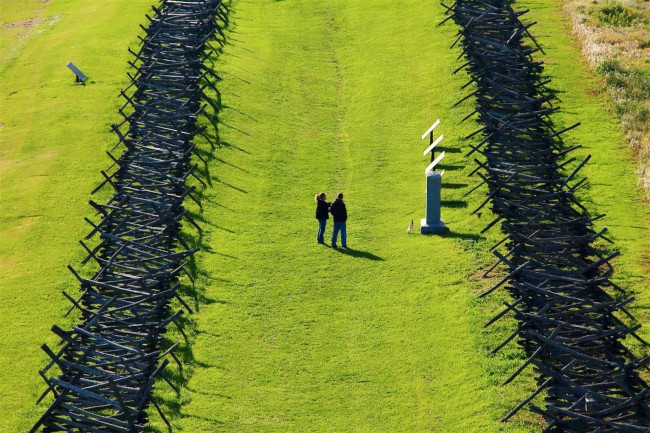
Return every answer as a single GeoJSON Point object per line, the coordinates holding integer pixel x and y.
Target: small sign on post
{"type": "Point", "coordinates": [432, 224]}
{"type": "Point", "coordinates": [80, 77]}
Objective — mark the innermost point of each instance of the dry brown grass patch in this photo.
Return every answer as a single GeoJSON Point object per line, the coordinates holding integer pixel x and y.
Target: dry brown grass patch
{"type": "Point", "coordinates": [615, 36]}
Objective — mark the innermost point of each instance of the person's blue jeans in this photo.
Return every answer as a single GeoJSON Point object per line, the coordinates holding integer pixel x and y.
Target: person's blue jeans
{"type": "Point", "coordinates": [321, 231]}
{"type": "Point", "coordinates": [344, 237]}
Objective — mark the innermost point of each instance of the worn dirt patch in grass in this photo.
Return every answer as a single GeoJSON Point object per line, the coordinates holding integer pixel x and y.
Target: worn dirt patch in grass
{"type": "Point", "coordinates": [19, 22]}
{"type": "Point", "coordinates": [29, 23]}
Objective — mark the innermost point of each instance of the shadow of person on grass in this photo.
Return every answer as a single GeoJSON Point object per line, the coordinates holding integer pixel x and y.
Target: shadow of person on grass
{"type": "Point", "coordinates": [359, 254]}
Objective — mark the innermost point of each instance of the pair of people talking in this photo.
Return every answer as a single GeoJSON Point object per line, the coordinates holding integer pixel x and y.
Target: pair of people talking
{"type": "Point", "coordinates": [339, 215]}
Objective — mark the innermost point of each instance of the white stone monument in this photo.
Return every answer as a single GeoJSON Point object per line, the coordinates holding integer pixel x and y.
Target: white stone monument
{"type": "Point", "coordinates": [432, 224]}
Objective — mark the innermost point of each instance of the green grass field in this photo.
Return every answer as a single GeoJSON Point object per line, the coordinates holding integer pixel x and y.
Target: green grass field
{"type": "Point", "coordinates": [289, 335]}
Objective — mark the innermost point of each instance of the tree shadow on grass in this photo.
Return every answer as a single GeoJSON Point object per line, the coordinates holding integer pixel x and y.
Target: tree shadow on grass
{"type": "Point", "coordinates": [451, 149]}
{"type": "Point", "coordinates": [359, 254]}
{"type": "Point", "coordinates": [450, 167]}
{"type": "Point", "coordinates": [453, 203]}
{"type": "Point", "coordinates": [454, 185]}
{"type": "Point", "coordinates": [456, 235]}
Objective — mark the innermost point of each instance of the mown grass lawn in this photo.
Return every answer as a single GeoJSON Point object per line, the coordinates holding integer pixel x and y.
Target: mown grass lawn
{"type": "Point", "coordinates": [350, 343]}
{"type": "Point", "coordinates": [290, 335]}
{"type": "Point", "coordinates": [294, 336]}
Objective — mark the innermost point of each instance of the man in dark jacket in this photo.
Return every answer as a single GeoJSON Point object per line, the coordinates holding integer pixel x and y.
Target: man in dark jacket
{"type": "Point", "coordinates": [340, 216]}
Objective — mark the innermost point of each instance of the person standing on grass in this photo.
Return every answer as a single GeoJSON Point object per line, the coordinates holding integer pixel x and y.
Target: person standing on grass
{"type": "Point", "coordinates": [322, 215]}
{"type": "Point", "coordinates": [340, 216]}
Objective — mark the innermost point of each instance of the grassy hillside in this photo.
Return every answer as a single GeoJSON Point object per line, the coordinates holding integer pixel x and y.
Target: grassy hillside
{"type": "Point", "coordinates": [350, 91]}
{"type": "Point", "coordinates": [290, 335]}
{"type": "Point", "coordinates": [299, 337]}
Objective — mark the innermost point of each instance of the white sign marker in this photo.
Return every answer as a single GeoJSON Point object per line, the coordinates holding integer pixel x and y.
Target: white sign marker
{"type": "Point", "coordinates": [434, 163]}
{"type": "Point", "coordinates": [434, 144]}
{"type": "Point", "coordinates": [430, 130]}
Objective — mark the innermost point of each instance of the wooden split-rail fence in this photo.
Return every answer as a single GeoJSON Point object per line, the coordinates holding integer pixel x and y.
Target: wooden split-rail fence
{"type": "Point", "coordinates": [569, 324]}
{"type": "Point", "coordinates": [102, 376]}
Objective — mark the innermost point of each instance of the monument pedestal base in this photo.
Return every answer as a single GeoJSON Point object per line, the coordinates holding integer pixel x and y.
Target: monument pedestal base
{"type": "Point", "coordinates": [433, 229]}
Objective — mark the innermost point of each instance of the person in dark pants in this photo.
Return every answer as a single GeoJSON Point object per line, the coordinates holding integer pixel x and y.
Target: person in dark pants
{"type": "Point", "coordinates": [322, 215]}
{"type": "Point", "coordinates": [340, 216]}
